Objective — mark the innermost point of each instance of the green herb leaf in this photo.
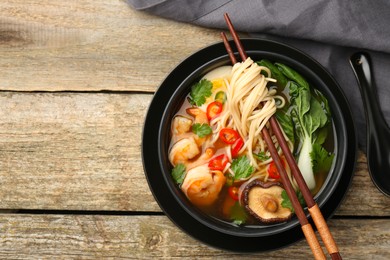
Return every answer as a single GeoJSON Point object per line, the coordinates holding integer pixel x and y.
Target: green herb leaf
{"type": "Point", "coordinates": [242, 168]}
{"type": "Point", "coordinates": [321, 159]}
{"type": "Point", "coordinates": [201, 130]}
{"type": "Point", "coordinates": [261, 156]}
{"type": "Point", "coordinates": [200, 91]}
{"type": "Point", "coordinates": [238, 214]}
{"type": "Point", "coordinates": [286, 203]}
{"type": "Point", "coordinates": [178, 173]}
{"type": "Point", "coordinates": [301, 199]}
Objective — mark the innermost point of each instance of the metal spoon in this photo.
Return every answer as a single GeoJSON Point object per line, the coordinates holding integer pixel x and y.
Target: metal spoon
{"type": "Point", "coordinates": [378, 132]}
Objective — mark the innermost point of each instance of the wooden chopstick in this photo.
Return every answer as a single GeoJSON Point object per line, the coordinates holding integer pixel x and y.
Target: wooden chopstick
{"type": "Point", "coordinates": [313, 207]}
{"type": "Point", "coordinates": [305, 225]}
{"type": "Point", "coordinates": [314, 210]}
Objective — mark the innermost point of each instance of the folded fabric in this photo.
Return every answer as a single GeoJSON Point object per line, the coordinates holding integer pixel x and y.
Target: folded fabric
{"type": "Point", "coordinates": [328, 30]}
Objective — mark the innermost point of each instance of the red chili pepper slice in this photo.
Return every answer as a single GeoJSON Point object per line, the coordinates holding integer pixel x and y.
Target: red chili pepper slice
{"type": "Point", "coordinates": [219, 162]}
{"type": "Point", "coordinates": [236, 147]}
{"type": "Point", "coordinates": [228, 135]}
{"type": "Point", "coordinates": [273, 171]}
{"type": "Point", "coordinates": [214, 109]}
{"type": "Point", "coordinates": [233, 192]}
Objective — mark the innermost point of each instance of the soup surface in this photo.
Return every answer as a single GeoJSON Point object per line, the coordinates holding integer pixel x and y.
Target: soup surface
{"type": "Point", "coordinates": [219, 157]}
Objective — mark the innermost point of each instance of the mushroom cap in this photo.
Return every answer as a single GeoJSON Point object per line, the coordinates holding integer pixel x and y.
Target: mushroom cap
{"type": "Point", "coordinates": [263, 200]}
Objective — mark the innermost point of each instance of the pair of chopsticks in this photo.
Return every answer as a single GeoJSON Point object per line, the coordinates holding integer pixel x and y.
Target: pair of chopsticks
{"type": "Point", "coordinates": [314, 210]}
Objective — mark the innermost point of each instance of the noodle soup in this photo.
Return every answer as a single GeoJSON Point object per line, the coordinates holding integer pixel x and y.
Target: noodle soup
{"type": "Point", "coordinates": [219, 158]}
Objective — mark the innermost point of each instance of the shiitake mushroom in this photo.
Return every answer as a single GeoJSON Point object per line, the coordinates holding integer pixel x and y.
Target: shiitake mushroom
{"type": "Point", "coordinates": [263, 200]}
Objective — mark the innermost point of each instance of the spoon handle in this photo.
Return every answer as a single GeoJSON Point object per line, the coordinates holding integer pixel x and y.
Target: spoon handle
{"type": "Point", "coordinates": [378, 133]}
{"type": "Point", "coordinates": [361, 64]}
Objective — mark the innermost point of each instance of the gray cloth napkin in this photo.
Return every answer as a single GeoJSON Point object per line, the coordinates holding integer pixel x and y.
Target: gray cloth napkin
{"type": "Point", "coordinates": [328, 30]}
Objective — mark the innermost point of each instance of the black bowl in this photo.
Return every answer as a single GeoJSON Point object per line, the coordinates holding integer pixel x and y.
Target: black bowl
{"type": "Point", "coordinates": [173, 202]}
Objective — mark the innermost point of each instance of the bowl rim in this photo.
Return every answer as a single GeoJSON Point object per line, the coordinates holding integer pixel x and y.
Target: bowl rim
{"type": "Point", "coordinates": [161, 94]}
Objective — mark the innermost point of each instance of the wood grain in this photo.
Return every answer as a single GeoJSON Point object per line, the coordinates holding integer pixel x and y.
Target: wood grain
{"type": "Point", "coordinates": [146, 237]}
{"type": "Point", "coordinates": [73, 151]}
{"type": "Point", "coordinates": [82, 151]}
{"type": "Point", "coordinates": [90, 45]}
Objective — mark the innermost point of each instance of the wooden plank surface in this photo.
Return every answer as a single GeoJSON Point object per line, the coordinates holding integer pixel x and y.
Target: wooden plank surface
{"type": "Point", "coordinates": [90, 45]}
{"type": "Point", "coordinates": [147, 237]}
{"type": "Point", "coordinates": [81, 151]}
{"type": "Point", "coordinates": [73, 151]}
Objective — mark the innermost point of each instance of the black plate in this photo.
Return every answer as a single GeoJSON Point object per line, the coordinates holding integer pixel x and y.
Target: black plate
{"type": "Point", "coordinates": [158, 117]}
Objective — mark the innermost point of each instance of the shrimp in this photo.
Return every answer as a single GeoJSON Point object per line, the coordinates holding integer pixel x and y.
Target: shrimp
{"type": "Point", "coordinates": [189, 145]}
{"type": "Point", "coordinates": [200, 118]}
{"type": "Point", "coordinates": [199, 115]}
{"type": "Point", "coordinates": [181, 125]}
{"type": "Point", "coordinates": [204, 158]}
{"type": "Point", "coordinates": [202, 186]}
{"type": "Point", "coordinates": [183, 150]}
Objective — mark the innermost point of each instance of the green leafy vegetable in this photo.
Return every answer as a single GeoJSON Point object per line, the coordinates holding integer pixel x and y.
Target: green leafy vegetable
{"type": "Point", "coordinates": [286, 123]}
{"type": "Point", "coordinates": [200, 91]}
{"type": "Point", "coordinates": [286, 202]}
{"type": "Point", "coordinates": [310, 115]}
{"type": "Point", "coordinates": [275, 72]}
{"type": "Point", "coordinates": [178, 173]}
{"type": "Point", "coordinates": [241, 168]}
{"type": "Point", "coordinates": [293, 87]}
{"type": "Point", "coordinates": [292, 74]}
{"type": "Point", "coordinates": [309, 118]}
{"type": "Point", "coordinates": [324, 102]}
{"type": "Point", "coordinates": [261, 156]}
{"type": "Point", "coordinates": [306, 121]}
{"type": "Point", "coordinates": [238, 214]}
{"type": "Point", "coordinates": [201, 130]}
{"type": "Point", "coordinates": [322, 159]}
{"type": "Point", "coordinates": [319, 136]}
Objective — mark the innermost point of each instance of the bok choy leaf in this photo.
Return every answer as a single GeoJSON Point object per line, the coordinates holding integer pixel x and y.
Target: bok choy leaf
{"type": "Point", "coordinates": [310, 114]}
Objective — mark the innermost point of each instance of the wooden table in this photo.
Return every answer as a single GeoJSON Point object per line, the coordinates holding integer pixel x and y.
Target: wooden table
{"type": "Point", "coordinates": [76, 79]}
